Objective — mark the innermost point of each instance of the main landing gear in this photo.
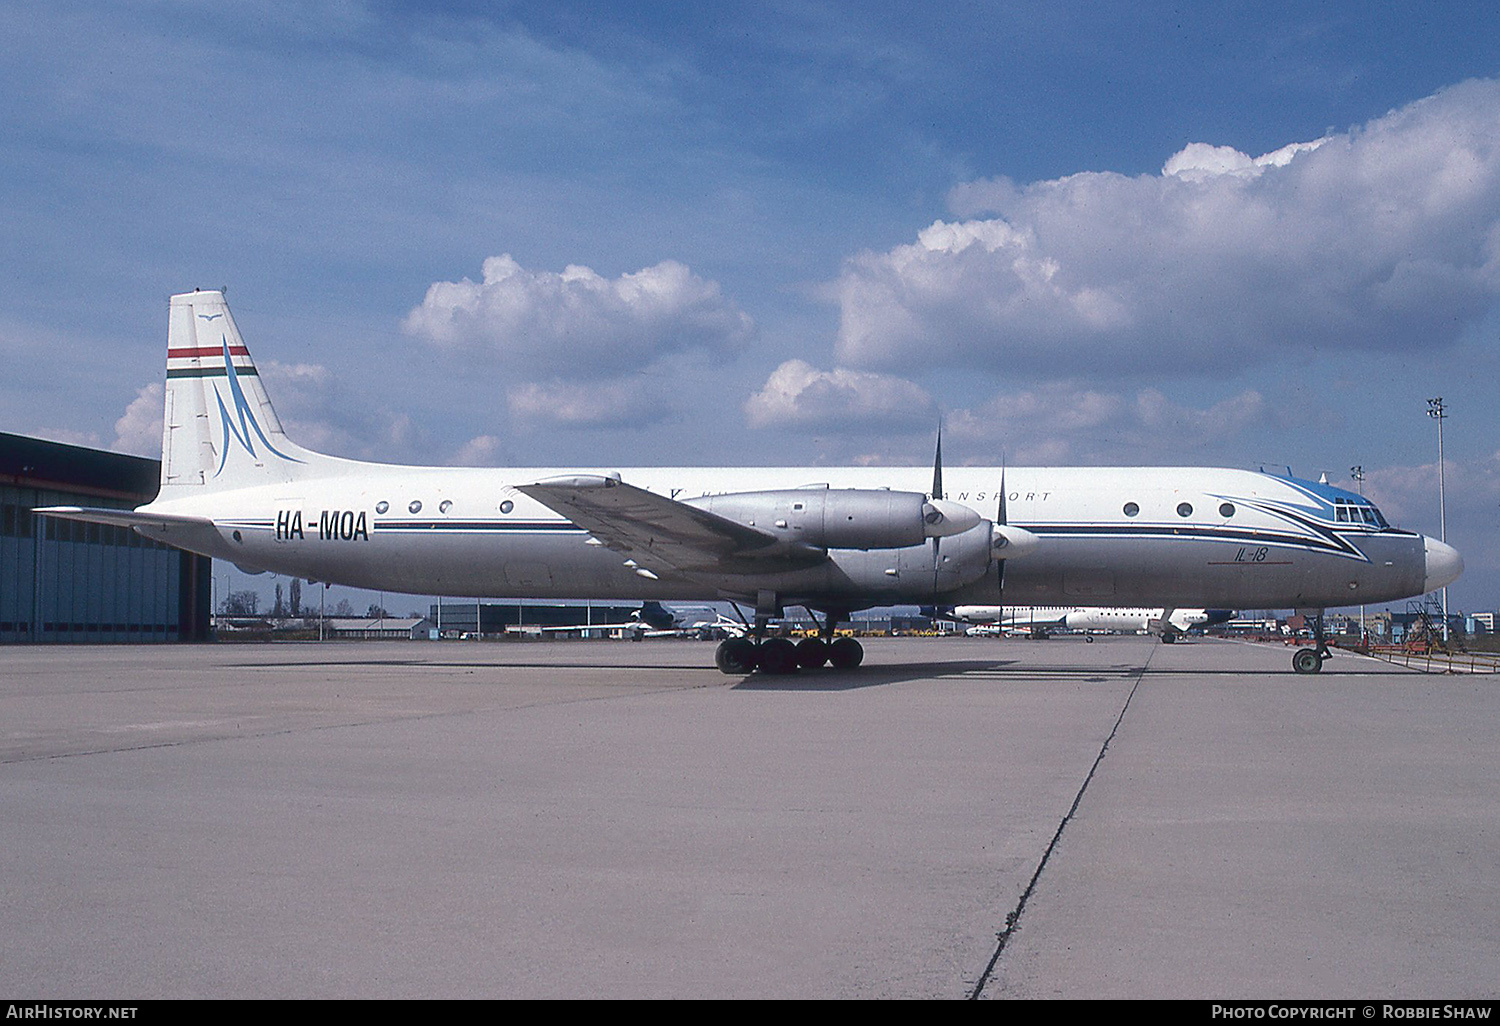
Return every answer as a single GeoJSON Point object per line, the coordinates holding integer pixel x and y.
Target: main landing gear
{"type": "Point", "coordinates": [741, 656]}
{"type": "Point", "coordinates": [1310, 660]}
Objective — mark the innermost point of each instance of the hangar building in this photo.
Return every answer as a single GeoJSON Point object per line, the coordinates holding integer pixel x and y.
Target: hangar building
{"type": "Point", "coordinates": [63, 581]}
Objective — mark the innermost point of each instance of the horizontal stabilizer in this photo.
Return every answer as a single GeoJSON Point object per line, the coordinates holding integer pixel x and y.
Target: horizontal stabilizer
{"type": "Point", "coordinates": [197, 534]}
{"type": "Point", "coordinates": [122, 517]}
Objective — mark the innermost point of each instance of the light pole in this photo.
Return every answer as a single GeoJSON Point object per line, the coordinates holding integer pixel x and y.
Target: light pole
{"type": "Point", "coordinates": [1436, 411]}
{"type": "Point", "coordinates": [1358, 473]}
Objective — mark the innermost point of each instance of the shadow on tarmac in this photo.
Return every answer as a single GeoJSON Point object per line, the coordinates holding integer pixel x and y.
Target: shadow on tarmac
{"type": "Point", "coordinates": [827, 679]}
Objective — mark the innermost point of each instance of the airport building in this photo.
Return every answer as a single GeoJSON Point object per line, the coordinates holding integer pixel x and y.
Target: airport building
{"type": "Point", "coordinates": [64, 581]}
{"type": "Point", "coordinates": [381, 628]}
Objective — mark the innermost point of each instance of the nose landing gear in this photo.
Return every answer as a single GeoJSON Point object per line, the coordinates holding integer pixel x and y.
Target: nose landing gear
{"type": "Point", "coordinates": [1310, 660]}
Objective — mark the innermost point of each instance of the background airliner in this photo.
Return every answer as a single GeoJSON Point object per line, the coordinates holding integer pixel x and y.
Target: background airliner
{"type": "Point", "coordinates": [834, 540]}
{"type": "Point", "coordinates": [1168, 623]}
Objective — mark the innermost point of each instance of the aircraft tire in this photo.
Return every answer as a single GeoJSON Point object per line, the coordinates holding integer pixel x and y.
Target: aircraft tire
{"type": "Point", "coordinates": [812, 653]}
{"type": "Point", "coordinates": [845, 653]}
{"type": "Point", "coordinates": [778, 656]}
{"type": "Point", "coordinates": [1306, 660]}
{"type": "Point", "coordinates": [735, 656]}
{"type": "Point", "coordinates": [1168, 638]}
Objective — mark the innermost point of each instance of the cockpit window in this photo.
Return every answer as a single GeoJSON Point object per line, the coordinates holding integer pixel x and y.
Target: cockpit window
{"type": "Point", "coordinates": [1348, 511]}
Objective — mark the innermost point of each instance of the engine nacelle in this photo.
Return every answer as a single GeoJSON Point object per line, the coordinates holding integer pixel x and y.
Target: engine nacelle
{"type": "Point", "coordinates": [1012, 542]}
{"type": "Point", "coordinates": [917, 574]}
{"type": "Point", "coordinates": [844, 518]}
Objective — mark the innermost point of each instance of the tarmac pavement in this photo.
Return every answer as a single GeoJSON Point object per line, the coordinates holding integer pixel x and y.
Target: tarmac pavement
{"type": "Point", "coordinates": [607, 819]}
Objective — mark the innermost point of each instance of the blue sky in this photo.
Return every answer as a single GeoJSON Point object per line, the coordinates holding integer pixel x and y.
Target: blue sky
{"type": "Point", "coordinates": [488, 233]}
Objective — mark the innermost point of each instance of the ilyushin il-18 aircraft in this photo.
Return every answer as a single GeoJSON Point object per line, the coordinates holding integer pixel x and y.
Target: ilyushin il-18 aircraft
{"type": "Point", "coordinates": [832, 540]}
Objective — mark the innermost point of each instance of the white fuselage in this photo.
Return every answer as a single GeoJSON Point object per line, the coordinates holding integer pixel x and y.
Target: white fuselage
{"type": "Point", "coordinates": [1196, 537]}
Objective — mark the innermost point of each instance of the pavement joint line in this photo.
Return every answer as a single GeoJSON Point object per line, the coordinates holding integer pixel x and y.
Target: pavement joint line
{"type": "Point", "coordinates": [1013, 918]}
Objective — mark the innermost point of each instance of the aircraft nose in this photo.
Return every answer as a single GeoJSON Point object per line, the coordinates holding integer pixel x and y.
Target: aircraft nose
{"type": "Point", "coordinates": [1444, 564]}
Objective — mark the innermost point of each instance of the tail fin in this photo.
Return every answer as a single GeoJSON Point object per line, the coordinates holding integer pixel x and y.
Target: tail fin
{"type": "Point", "coordinates": [219, 430]}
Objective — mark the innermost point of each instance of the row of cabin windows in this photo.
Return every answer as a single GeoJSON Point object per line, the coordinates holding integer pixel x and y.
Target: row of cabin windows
{"type": "Point", "coordinates": [415, 506]}
{"type": "Point", "coordinates": [1184, 509]}
{"type": "Point", "coordinates": [1344, 512]}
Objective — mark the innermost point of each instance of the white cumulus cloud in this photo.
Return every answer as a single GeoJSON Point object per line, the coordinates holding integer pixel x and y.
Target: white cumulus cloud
{"type": "Point", "coordinates": [578, 324]}
{"type": "Point", "coordinates": [138, 430]}
{"type": "Point", "coordinates": [479, 451]}
{"type": "Point", "coordinates": [1063, 423]}
{"type": "Point", "coordinates": [797, 394]}
{"type": "Point", "coordinates": [626, 402]}
{"type": "Point", "coordinates": [1383, 238]}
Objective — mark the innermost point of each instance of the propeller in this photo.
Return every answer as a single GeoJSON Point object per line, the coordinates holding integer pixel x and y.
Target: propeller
{"type": "Point", "coordinates": [937, 493]}
{"type": "Point", "coordinates": [1000, 563]}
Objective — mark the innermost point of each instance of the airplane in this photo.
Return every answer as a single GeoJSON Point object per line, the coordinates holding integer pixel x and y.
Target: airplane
{"type": "Point", "coordinates": [1167, 623]}
{"type": "Point", "coordinates": [720, 626]}
{"type": "Point", "coordinates": [652, 620]}
{"type": "Point", "coordinates": [832, 540]}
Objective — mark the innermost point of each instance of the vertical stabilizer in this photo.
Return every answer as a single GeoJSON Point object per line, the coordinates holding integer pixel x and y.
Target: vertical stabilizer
{"type": "Point", "coordinates": [219, 430]}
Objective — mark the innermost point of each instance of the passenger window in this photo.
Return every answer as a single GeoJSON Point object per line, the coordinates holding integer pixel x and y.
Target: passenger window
{"type": "Point", "coordinates": [382, 506]}
{"type": "Point", "coordinates": [1184, 509]}
{"type": "Point", "coordinates": [416, 506]}
{"type": "Point", "coordinates": [1131, 509]}
{"type": "Point", "coordinates": [1226, 510]}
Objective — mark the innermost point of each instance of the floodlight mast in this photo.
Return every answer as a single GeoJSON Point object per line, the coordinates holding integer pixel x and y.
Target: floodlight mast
{"type": "Point", "coordinates": [1437, 412]}
{"type": "Point", "coordinates": [1358, 473]}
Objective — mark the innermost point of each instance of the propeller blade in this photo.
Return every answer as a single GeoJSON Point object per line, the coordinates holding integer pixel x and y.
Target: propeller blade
{"type": "Point", "coordinates": [937, 466]}
{"type": "Point", "coordinates": [1000, 563]}
{"type": "Point", "coordinates": [937, 493]}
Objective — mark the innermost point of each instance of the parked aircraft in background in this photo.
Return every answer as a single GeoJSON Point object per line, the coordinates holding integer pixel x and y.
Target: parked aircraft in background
{"type": "Point", "coordinates": [1038, 620]}
{"type": "Point", "coordinates": [652, 620]}
{"type": "Point", "coordinates": [834, 540]}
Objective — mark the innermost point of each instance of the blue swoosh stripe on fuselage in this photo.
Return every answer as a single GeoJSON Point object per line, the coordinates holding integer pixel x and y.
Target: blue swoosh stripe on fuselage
{"type": "Point", "coordinates": [1337, 544]}
{"type": "Point", "coordinates": [519, 526]}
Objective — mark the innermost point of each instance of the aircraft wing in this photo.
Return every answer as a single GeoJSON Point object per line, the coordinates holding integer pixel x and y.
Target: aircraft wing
{"type": "Point", "coordinates": [661, 533]}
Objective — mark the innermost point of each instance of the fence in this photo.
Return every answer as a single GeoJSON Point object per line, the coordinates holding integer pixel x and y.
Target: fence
{"type": "Point", "coordinates": [1431, 659]}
